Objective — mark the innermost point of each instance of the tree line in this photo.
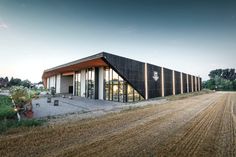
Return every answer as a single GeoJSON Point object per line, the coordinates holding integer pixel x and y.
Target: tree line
{"type": "Point", "coordinates": [221, 79]}
{"type": "Point", "coordinates": [5, 82]}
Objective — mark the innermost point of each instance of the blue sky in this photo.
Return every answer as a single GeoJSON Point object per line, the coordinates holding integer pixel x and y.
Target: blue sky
{"type": "Point", "coordinates": [190, 36]}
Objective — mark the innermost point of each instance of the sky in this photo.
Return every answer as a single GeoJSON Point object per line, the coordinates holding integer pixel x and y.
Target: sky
{"type": "Point", "coordinates": [185, 35]}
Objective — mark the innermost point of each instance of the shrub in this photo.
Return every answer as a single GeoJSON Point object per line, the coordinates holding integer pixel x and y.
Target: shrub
{"type": "Point", "coordinates": [5, 100]}
{"type": "Point", "coordinates": [7, 124]}
{"type": "Point", "coordinates": [7, 112]}
{"type": "Point", "coordinates": [20, 95]}
{"type": "Point", "coordinates": [30, 122]}
{"type": "Point", "coordinates": [6, 109]}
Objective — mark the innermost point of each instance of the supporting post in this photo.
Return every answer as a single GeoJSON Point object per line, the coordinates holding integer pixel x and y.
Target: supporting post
{"type": "Point", "coordinates": [192, 83]}
{"type": "Point", "coordinates": [162, 82]}
{"type": "Point", "coordinates": [187, 83]}
{"type": "Point", "coordinates": [173, 82]}
{"type": "Point", "coordinates": [181, 82]}
{"type": "Point", "coordinates": [146, 81]}
{"type": "Point", "coordinates": [196, 78]}
{"type": "Point", "coordinates": [199, 87]}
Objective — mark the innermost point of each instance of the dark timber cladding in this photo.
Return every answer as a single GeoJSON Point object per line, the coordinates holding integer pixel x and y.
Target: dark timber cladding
{"type": "Point", "coordinates": [132, 71]}
{"type": "Point", "coordinates": [122, 79]}
{"type": "Point", "coordinates": [190, 83]}
{"type": "Point", "coordinates": [177, 83]}
{"type": "Point", "coordinates": [200, 83]}
{"type": "Point", "coordinates": [96, 82]}
{"type": "Point", "coordinates": [197, 83]}
{"type": "Point", "coordinates": [184, 83]}
{"type": "Point", "coordinates": [154, 86]}
{"type": "Point", "coordinates": [168, 85]}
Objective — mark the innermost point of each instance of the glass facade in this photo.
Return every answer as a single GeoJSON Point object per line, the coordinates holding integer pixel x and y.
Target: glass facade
{"type": "Point", "coordinates": [117, 89]}
{"type": "Point", "coordinates": [90, 83]}
{"type": "Point", "coordinates": [78, 84]}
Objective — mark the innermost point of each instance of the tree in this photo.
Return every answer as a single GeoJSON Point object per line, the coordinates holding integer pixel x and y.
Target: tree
{"type": "Point", "coordinates": [221, 79]}
{"type": "Point", "coordinates": [228, 74]}
{"type": "Point", "coordinates": [3, 82]}
{"type": "Point", "coordinates": [234, 85]}
{"type": "Point", "coordinates": [6, 80]}
{"type": "Point", "coordinates": [26, 83]}
{"type": "Point", "coordinates": [15, 82]}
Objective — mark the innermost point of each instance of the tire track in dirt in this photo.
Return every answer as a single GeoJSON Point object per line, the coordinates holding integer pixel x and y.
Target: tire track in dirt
{"type": "Point", "coordinates": [123, 136]}
{"type": "Point", "coordinates": [201, 136]}
{"type": "Point", "coordinates": [160, 148]}
{"type": "Point", "coordinates": [226, 140]}
{"type": "Point", "coordinates": [164, 146]}
{"type": "Point", "coordinates": [149, 131]}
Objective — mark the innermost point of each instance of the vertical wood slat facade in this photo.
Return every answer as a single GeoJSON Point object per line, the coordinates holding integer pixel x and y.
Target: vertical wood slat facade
{"type": "Point", "coordinates": [148, 80]}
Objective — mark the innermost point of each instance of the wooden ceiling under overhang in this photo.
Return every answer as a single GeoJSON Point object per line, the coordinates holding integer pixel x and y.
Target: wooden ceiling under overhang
{"type": "Point", "coordinates": [71, 68]}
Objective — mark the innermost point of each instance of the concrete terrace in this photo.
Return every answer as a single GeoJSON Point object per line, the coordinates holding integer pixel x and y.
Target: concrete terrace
{"type": "Point", "coordinates": [82, 106]}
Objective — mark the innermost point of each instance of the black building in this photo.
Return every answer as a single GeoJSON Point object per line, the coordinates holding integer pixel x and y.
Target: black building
{"type": "Point", "coordinates": [115, 78]}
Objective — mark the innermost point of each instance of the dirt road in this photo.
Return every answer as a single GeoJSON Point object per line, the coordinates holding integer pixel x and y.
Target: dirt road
{"type": "Point", "coordinates": [202, 125]}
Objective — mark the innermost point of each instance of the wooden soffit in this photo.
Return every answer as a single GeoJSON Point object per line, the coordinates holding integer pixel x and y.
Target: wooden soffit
{"type": "Point", "coordinates": [76, 67]}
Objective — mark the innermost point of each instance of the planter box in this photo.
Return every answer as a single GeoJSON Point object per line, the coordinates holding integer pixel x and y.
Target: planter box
{"type": "Point", "coordinates": [29, 114]}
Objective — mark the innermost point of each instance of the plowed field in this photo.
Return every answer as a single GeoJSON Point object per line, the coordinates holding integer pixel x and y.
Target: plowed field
{"type": "Point", "coordinates": [203, 125]}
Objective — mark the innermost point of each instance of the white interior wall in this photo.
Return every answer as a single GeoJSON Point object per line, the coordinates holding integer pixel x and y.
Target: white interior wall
{"type": "Point", "coordinates": [48, 83]}
{"type": "Point", "coordinates": [82, 83]}
{"type": "Point", "coordinates": [52, 82]}
{"type": "Point", "coordinates": [66, 81]}
{"type": "Point", "coordinates": [58, 84]}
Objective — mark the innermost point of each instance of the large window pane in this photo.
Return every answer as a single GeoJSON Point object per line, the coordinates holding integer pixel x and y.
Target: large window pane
{"type": "Point", "coordinates": [130, 93]}
{"type": "Point", "coordinates": [90, 83]}
{"type": "Point", "coordinates": [136, 96]}
{"type": "Point", "coordinates": [107, 84]}
{"type": "Point", "coordinates": [77, 84]}
{"type": "Point", "coordinates": [115, 86]}
{"type": "Point", "coordinates": [117, 89]}
{"type": "Point", "coordinates": [121, 88]}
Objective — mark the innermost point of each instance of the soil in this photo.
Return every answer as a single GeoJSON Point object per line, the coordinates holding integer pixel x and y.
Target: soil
{"type": "Point", "coordinates": [203, 125]}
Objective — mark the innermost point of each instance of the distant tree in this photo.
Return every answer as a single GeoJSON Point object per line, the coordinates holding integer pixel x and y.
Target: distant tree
{"type": "Point", "coordinates": [26, 83]}
{"type": "Point", "coordinates": [234, 85]}
{"type": "Point", "coordinates": [14, 82]}
{"type": "Point", "coordinates": [221, 79]}
{"type": "Point", "coordinates": [215, 73]}
{"type": "Point", "coordinates": [210, 84]}
{"type": "Point", "coordinates": [3, 82]}
{"type": "Point", "coordinates": [7, 80]}
{"type": "Point", "coordinates": [228, 74]}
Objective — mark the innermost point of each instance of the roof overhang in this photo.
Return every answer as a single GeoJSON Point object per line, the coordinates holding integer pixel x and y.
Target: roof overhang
{"type": "Point", "coordinates": [92, 61]}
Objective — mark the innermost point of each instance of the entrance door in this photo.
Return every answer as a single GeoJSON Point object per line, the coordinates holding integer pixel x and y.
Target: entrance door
{"type": "Point", "coordinates": [70, 89]}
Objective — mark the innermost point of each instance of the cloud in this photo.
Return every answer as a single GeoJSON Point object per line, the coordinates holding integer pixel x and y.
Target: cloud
{"type": "Point", "coordinates": [3, 25]}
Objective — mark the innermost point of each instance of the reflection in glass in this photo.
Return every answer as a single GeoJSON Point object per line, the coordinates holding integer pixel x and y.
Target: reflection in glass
{"type": "Point", "coordinates": [106, 84]}
{"type": "Point", "coordinates": [78, 84]}
{"type": "Point", "coordinates": [130, 93]}
{"type": "Point", "coordinates": [115, 83]}
{"type": "Point", "coordinates": [117, 89]}
{"type": "Point", "coordinates": [90, 83]}
{"type": "Point", "coordinates": [121, 88]}
{"type": "Point", "coordinates": [136, 96]}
